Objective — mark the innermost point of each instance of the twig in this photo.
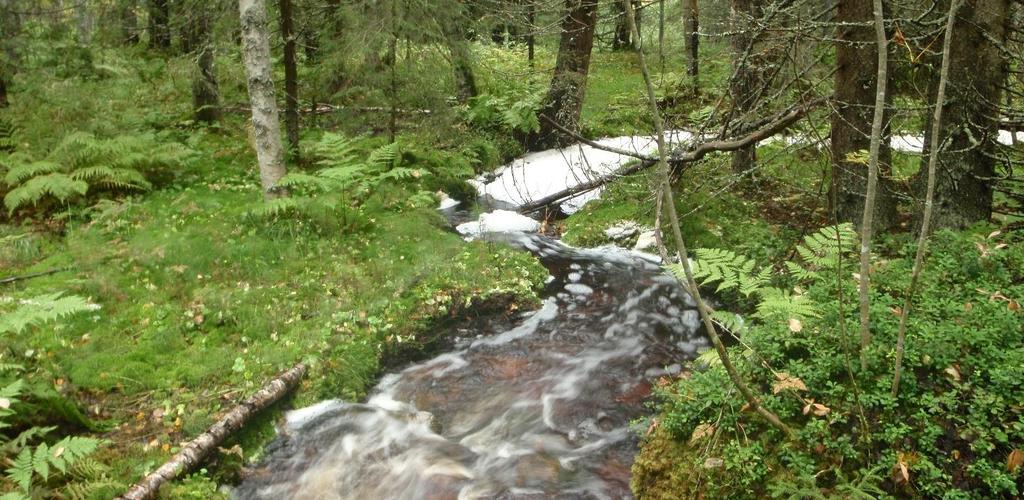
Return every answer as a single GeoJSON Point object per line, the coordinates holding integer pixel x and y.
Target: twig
{"type": "Point", "coordinates": [933, 156]}
{"type": "Point", "coordinates": [13, 279]}
{"type": "Point", "coordinates": [663, 168]}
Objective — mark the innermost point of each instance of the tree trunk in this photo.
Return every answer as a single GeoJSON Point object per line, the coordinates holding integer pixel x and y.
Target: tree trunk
{"type": "Point", "coordinates": [855, 84]}
{"type": "Point", "coordinates": [963, 184]}
{"type": "Point", "coordinates": [564, 100]}
{"type": "Point", "coordinates": [462, 58]}
{"type": "Point", "coordinates": [531, 39]}
{"type": "Point", "coordinates": [744, 82]}
{"type": "Point", "coordinates": [193, 453]}
{"type": "Point", "coordinates": [620, 39]}
{"type": "Point", "coordinates": [159, 24]}
{"type": "Point", "coordinates": [10, 25]}
{"type": "Point", "coordinates": [205, 91]}
{"type": "Point", "coordinates": [129, 24]}
{"type": "Point", "coordinates": [83, 23]}
{"type": "Point", "coordinates": [4, 100]}
{"type": "Point", "coordinates": [291, 80]}
{"type": "Point", "coordinates": [266, 129]}
{"type": "Point", "coordinates": [691, 28]}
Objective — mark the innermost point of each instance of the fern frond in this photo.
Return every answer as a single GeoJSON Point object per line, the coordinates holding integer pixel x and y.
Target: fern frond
{"type": "Point", "coordinates": [730, 321]}
{"type": "Point", "coordinates": [57, 185]}
{"type": "Point", "coordinates": [21, 172]}
{"type": "Point", "coordinates": [119, 178]}
{"type": "Point", "coordinates": [303, 181]}
{"type": "Point", "coordinates": [728, 269]}
{"type": "Point", "coordinates": [385, 155]}
{"type": "Point", "coordinates": [69, 450]}
{"type": "Point", "coordinates": [780, 304]}
{"type": "Point", "coordinates": [274, 208]}
{"type": "Point", "coordinates": [20, 471]}
{"type": "Point", "coordinates": [42, 309]}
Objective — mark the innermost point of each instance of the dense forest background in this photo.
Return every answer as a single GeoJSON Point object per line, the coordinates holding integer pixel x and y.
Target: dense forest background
{"type": "Point", "coordinates": [200, 194]}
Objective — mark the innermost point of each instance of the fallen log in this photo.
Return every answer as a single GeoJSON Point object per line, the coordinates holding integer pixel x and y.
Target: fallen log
{"type": "Point", "coordinates": [677, 159]}
{"type": "Point", "coordinates": [193, 453]}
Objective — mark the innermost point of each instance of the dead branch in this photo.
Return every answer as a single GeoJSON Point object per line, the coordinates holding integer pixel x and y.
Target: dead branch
{"type": "Point", "coordinates": [676, 160]}
{"type": "Point", "coordinates": [193, 453]}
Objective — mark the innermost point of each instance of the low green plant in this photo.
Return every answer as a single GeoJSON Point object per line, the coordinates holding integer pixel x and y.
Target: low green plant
{"type": "Point", "coordinates": [34, 462]}
{"type": "Point", "coordinates": [83, 164]}
{"type": "Point", "coordinates": [956, 429]}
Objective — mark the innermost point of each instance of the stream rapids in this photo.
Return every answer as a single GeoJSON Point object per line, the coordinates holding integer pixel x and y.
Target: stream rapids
{"type": "Point", "coordinates": [539, 410]}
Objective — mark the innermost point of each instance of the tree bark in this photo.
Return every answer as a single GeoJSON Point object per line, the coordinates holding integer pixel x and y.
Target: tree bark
{"type": "Point", "coordinates": [531, 38]}
{"type": "Point", "coordinates": [266, 129]}
{"type": "Point", "coordinates": [193, 453]}
{"type": "Point", "coordinates": [205, 91]}
{"type": "Point", "coordinates": [83, 22]}
{"type": "Point", "coordinates": [620, 39]}
{"type": "Point", "coordinates": [744, 82]}
{"type": "Point", "coordinates": [564, 100]}
{"type": "Point", "coordinates": [159, 24]}
{"type": "Point", "coordinates": [691, 29]}
{"type": "Point", "coordinates": [129, 24]}
{"type": "Point", "coordinates": [871, 189]}
{"type": "Point", "coordinates": [462, 60]}
{"type": "Point", "coordinates": [856, 86]}
{"type": "Point", "coordinates": [291, 79]}
{"type": "Point", "coordinates": [922, 238]}
{"type": "Point", "coordinates": [963, 185]}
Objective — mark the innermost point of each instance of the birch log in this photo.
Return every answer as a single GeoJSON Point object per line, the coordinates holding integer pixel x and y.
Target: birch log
{"type": "Point", "coordinates": [193, 453]}
{"type": "Point", "coordinates": [265, 125]}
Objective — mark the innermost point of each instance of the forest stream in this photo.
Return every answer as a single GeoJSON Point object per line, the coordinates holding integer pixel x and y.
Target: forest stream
{"type": "Point", "coordinates": [539, 410]}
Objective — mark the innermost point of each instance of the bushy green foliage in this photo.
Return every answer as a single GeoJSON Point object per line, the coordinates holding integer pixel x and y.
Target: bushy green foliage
{"type": "Point", "coordinates": [82, 163]}
{"type": "Point", "coordinates": [340, 187]}
{"type": "Point", "coordinates": [949, 433]}
{"type": "Point", "coordinates": [33, 462]}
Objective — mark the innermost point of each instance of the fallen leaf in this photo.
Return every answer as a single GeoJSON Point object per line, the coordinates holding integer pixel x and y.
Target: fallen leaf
{"type": "Point", "coordinates": [816, 409]}
{"type": "Point", "coordinates": [713, 463]}
{"type": "Point", "coordinates": [1013, 305]}
{"type": "Point", "coordinates": [955, 454]}
{"type": "Point", "coordinates": [954, 372]}
{"type": "Point", "coordinates": [702, 431]}
{"type": "Point", "coordinates": [653, 426]}
{"type": "Point", "coordinates": [896, 311]}
{"type": "Point", "coordinates": [787, 381]}
{"type": "Point", "coordinates": [1015, 460]}
{"type": "Point", "coordinates": [234, 450]}
{"type": "Point", "coordinates": [993, 234]}
{"type": "Point", "coordinates": [901, 474]}
{"type": "Point", "coordinates": [5, 403]}
{"type": "Point", "coordinates": [795, 325]}
{"type": "Point", "coordinates": [58, 451]}
{"type": "Point", "coordinates": [968, 307]}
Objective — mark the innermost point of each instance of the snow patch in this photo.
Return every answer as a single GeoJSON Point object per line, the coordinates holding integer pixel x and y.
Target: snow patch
{"type": "Point", "coordinates": [544, 173]}
{"type": "Point", "coordinates": [498, 221]}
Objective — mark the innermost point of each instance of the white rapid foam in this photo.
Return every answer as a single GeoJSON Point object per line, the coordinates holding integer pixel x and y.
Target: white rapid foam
{"type": "Point", "coordinates": [498, 221]}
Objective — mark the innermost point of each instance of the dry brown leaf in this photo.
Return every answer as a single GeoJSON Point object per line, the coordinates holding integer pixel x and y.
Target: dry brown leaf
{"type": "Point", "coordinates": [1015, 460]}
{"type": "Point", "coordinates": [896, 311]}
{"type": "Point", "coordinates": [901, 474]}
{"type": "Point", "coordinates": [968, 307]}
{"type": "Point", "coordinates": [993, 234]}
{"type": "Point", "coordinates": [786, 381]}
{"type": "Point", "coordinates": [702, 431]}
{"type": "Point", "coordinates": [954, 372]}
{"type": "Point", "coordinates": [1013, 305]}
{"type": "Point", "coordinates": [816, 409]}
{"type": "Point", "coordinates": [713, 463]}
{"type": "Point", "coordinates": [652, 427]}
{"type": "Point", "coordinates": [795, 325]}
{"type": "Point", "coordinates": [234, 450]}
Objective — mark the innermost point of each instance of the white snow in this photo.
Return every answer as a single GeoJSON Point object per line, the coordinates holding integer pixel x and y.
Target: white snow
{"type": "Point", "coordinates": [544, 173]}
{"type": "Point", "coordinates": [646, 240]}
{"type": "Point", "coordinates": [498, 221]}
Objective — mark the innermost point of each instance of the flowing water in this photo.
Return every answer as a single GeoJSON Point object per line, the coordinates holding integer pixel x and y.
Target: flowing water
{"type": "Point", "coordinates": [539, 410]}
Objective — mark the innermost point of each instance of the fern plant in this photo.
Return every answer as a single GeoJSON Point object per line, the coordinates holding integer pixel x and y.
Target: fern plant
{"type": "Point", "coordinates": [82, 164]}
{"type": "Point", "coordinates": [344, 180]}
{"type": "Point", "coordinates": [33, 460]}
{"type": "Point", "coordinates": [819, 251]}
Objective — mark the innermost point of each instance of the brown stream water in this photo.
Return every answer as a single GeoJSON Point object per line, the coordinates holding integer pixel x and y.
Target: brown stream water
{"type": "Point", "coordinates": [539, 410]}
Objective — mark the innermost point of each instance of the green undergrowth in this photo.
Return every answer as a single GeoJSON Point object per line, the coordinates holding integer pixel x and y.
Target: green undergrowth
{"type": "Point", "coordinates": [955, 430]}
{"type": "Point", "coordinates": [201, 303]}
